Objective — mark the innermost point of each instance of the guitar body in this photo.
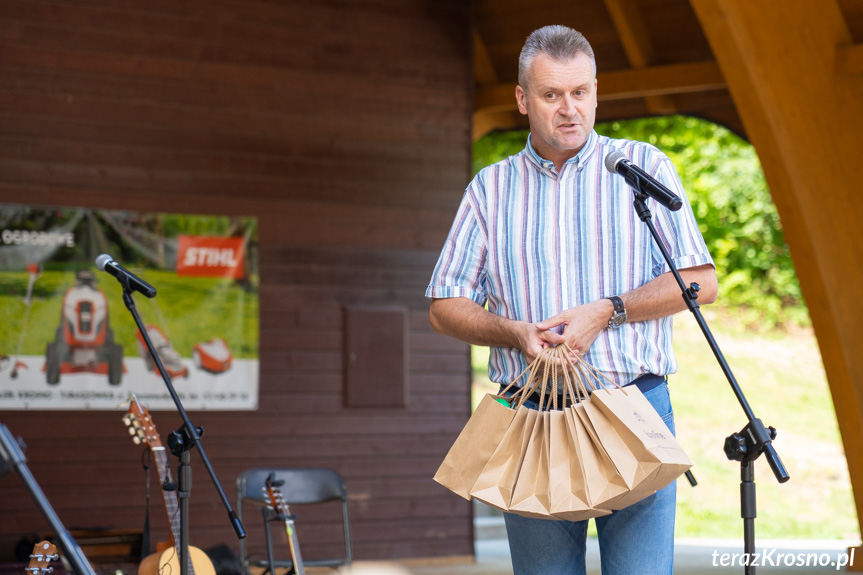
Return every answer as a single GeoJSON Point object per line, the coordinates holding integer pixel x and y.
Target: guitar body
{"type": "Point", "coordinates": [167, 563]}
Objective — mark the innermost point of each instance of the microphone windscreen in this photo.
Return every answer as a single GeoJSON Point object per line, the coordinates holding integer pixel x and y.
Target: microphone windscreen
{"type": "Point", "coordinates": [102, 261]}
{"type": "Point", "coordinates": [612, 159]}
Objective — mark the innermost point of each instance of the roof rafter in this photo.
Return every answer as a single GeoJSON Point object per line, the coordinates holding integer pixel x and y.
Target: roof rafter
{"type": "Point", "coordinates": [638, 47]}
{"type": "Point", "coordinates": [485, 75]}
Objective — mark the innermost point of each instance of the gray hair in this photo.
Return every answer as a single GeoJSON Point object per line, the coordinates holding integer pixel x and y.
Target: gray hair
{"type": "Point", "coordinates": [558, 42]}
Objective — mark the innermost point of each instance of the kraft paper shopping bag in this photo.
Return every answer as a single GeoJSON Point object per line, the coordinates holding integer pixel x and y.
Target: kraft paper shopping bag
{"type": "Point", "coordinates": [614, 482]}
{"type": "Point", "coordinates": [496, 482]}
{"type": "Point", "coordinates": [530, 496]}
{"type": "Point", "coordinates": [574, 470]}
{"type": "Point", "coordinates": [644, 432]}
{"type": "Point", "coordinates": [475, 445]}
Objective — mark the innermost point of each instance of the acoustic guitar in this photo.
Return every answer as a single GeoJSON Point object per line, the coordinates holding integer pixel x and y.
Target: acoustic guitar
{"type": "Point", "coordinates": [41, 557]}
{"type": "Point", "coordinates": [279, 506]}
{"type": "Point", "coordinates": [165, 561]}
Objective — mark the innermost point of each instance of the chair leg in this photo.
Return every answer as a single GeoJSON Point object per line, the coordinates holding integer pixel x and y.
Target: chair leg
{"type": "Point", "coordinates": [270, 558]}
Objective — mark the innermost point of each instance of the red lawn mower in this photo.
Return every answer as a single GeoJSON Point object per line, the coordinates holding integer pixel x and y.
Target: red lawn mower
{"type": "Point", "coordinates": [84, 341]}
{"type": "Point", "coordinates": [171, 360]}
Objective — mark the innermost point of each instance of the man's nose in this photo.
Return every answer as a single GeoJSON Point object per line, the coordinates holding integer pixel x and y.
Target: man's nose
{"type": "Point", "coordinates": [567, 106]}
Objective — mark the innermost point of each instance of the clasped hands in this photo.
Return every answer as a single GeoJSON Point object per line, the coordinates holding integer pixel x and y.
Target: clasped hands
{"type": "Point", "coordinates": [581, 327]}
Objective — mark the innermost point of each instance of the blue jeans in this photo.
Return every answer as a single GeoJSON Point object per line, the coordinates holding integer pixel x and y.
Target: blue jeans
{"type": "Point", "coordinates": [637, 540]}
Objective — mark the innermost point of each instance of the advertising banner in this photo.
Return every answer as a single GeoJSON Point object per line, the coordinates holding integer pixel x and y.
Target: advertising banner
{"type": "Point", "coordinates": [68, 340]}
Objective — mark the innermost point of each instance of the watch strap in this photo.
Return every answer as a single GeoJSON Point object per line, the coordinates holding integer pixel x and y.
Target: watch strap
{"type": "Point", "coordinates": [618, 318]}
{"type": "Point", "coordinates": [618, 304]}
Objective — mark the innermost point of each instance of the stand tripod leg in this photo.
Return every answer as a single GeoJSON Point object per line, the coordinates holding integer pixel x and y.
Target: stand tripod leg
{"type": "Point", "coordinates": [747, 512]}
{"type": "Point", "coordinates": [270, 560]}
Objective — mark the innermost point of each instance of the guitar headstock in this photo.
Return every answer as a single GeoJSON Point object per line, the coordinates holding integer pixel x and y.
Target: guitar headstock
{"type": "Point", "coordinates": [43, 553]}
{"type": "Point", "coordinates": [141, 426]}
{"type": "Point", "coordinates": [277, 500]}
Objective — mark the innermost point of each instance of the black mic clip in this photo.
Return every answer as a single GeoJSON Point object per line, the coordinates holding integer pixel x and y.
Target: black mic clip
{"type": "Point", "coordinates": [127, 279]}
{"type": "Point", "coordinates": [641, 181]}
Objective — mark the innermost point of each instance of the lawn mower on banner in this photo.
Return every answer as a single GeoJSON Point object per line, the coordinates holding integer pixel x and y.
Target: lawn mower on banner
{"type": "Point", "coordinates": [212, 356]}
{"type": "Point", "coordinates": [84, 342]}
{"type": "Point", "coordinates": [171, 360]}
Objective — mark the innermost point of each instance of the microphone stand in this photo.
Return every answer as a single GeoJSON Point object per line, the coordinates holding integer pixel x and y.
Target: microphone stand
{"type": "Point", "coordinates": [181, 442]}
{"type": "Point", "coordinates": [754, 439]}
{"type": "Point", "coordinates": [12, 456]}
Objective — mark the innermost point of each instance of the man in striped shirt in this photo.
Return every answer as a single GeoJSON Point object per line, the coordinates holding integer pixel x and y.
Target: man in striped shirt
{"type": "Point", "coordinates": [549, 241]}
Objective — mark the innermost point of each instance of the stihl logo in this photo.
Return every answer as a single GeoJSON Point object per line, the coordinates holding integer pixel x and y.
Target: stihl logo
{"type": "Point", "coordinates": [209, 256]}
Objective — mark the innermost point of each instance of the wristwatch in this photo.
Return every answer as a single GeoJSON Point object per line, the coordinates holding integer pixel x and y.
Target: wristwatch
{"type": "Point", "coordinates": [618, 318]}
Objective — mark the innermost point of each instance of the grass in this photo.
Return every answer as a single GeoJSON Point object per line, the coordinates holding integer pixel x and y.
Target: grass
{"type": "Point", "coordinates": [188, 310]}
{"type": "Point", "coordinates": [782, 377]}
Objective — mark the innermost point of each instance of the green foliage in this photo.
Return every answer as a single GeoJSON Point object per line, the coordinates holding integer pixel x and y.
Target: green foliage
{"type": "Point", "coordinates": [726, 187]}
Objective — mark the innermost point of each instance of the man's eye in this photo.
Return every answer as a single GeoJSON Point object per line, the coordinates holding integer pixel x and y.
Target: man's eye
{"type": "Point", "coordinates": [550, 96]}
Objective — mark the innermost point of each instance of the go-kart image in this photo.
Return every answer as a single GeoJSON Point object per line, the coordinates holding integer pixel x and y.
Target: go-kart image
{"type": "Point", "coordinates": [213, 356]}
{"type": "Point", "coordinates": [84, 342]}
{"type": "Point", "coordinates": [171, 360]}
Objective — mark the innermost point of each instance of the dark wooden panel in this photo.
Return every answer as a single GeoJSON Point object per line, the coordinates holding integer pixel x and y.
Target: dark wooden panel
{"type": "Point", "coordinates": [376, 373]}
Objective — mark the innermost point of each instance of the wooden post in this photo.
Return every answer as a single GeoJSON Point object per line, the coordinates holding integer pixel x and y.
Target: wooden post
{"type": "Point", "coordinates": [786, 65]}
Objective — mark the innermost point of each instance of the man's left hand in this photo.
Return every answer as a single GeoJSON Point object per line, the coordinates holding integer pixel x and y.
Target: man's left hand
{"type": "Point", "coordinates": [582, 324]}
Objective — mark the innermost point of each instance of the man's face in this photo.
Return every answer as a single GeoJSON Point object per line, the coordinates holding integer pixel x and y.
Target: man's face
{"type": "Point", "coordinates": [560, 104]}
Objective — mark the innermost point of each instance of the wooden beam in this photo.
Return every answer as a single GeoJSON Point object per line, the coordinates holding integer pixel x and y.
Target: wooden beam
{"type": "Point", "coordinates": [621, 85]}
{"type": "Point", "coordinates": [771, 76]}
{"type": "Point", "coordinates": [639, 50]}
{"type": "Point", "coordinates": [485, 122]}
{"type": "Point", "coordinates": [671, 79]}
{"type": "Point", "coordinates": [849, 59]}
{"type": "Point", "coordinates": [632, 32]}
{"type": "Point", "coordinates": [483, 68]}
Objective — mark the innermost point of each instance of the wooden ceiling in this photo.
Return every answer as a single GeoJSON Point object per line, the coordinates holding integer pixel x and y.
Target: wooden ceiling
{"type": "Point", "coordinates": [652, 58]}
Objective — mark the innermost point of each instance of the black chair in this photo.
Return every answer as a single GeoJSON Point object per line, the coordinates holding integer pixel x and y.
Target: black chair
{"type": "Point", "coordinates": [298, 486]}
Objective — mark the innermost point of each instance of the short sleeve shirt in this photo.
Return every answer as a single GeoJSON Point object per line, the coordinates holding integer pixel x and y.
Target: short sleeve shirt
{"type": "Point", "coordinates": [529, 242]}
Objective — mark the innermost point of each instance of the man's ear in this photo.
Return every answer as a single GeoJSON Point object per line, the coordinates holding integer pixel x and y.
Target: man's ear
{"type": "Point", "coordinates": [521, 99]}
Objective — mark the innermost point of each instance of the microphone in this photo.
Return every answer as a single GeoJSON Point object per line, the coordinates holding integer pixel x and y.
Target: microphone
{"type": "Point", "coordinates": [642, 181]}
{"type": "Point", "coordinates": [129, 280]}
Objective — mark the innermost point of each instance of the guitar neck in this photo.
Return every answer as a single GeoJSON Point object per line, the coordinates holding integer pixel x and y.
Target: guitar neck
{"type": "Point", "coordinates": [172, 507]}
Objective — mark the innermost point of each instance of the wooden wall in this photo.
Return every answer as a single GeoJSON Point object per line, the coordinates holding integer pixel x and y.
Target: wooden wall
{"type": "Point", "coordinates": [344, 127]}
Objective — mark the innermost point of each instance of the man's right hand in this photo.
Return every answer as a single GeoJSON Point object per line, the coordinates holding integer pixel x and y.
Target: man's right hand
{"type": "Point", "coordinates": [466, 320]}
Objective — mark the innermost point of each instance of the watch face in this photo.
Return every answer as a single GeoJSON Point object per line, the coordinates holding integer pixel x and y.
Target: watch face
{"type": "Point", "coordinates": [617, 320]}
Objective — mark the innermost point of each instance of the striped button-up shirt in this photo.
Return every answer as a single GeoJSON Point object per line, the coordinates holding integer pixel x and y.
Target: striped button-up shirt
{"type": "Point", "coordinates": [530, 242]}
